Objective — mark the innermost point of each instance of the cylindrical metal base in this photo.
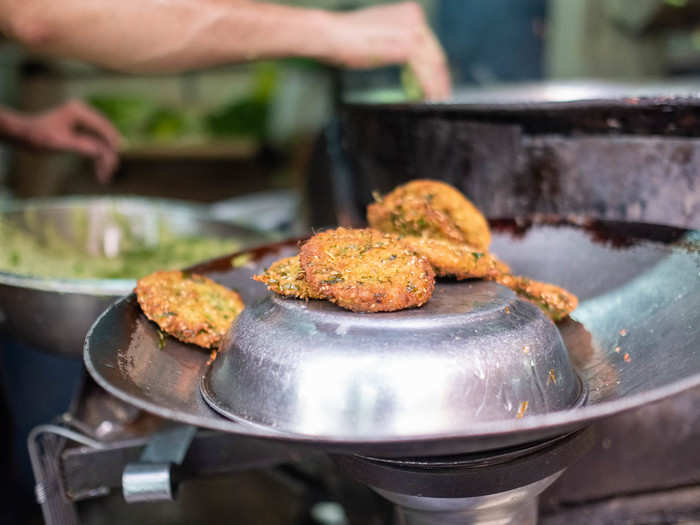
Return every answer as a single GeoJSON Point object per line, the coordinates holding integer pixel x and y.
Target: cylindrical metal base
{"type": "Point", "coordinates": [513, 507]}
{"type": "Point", "coordinates": [497, 487]}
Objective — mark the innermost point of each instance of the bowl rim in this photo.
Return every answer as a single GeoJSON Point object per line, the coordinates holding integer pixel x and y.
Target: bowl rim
{"type": "Point", "coordinates": [99, 287]}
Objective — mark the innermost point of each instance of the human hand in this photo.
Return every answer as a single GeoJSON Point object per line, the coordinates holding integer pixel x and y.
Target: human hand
{"type": "Point", "coordinates": [74, 127]}
{"type": "Point", "coordinates": [392, 34]}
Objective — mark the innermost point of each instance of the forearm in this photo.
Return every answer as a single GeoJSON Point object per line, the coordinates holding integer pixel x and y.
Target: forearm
{"type": "Point", "coordinates": [159, 36]}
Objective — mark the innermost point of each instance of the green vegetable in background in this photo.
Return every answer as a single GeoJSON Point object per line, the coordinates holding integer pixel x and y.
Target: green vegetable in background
{"type": "Point", "coordinates": [141, 119]}
{"type": "Point", "coordinates": [409, 83]}
{"type": "Point", "coordinates": [247, 116]}
{"type": "Point", "coordinates": [244, 117]}
{"type": "Point", "coordinates": [42, 251]}
{"type": "Point", "coordinates": [127, 113]}
{"type": "Point", "coordinates": [166, 124]}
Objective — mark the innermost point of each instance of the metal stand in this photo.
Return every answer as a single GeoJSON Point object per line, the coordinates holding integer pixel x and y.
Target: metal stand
{"type": "Point", "coordinates": [498, 487]}
{"type": "Point", "coordinates": [152, 478]}
{"type": "Point", "coordinates": [516, 507]}
{"type": "Point", "coordinates": [45, 443]}
{"type": "Point", "coordinates": [147, 468]}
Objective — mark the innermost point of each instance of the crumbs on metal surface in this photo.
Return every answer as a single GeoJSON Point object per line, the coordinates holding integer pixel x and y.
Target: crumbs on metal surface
{"type": "Point", "coordinates": [522, 409]}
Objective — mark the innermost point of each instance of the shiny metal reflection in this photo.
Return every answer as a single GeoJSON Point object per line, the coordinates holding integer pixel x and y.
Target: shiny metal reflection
{"type": "Point", "coordinates": [513, 507]}
{"type": "Point", "coordinates": [474, 352]}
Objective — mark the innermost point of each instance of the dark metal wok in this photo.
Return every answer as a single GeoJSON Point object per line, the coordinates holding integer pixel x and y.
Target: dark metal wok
{"type": "Point", "coordinates": [634, 339]}
{"type": "Point", "coordinates": [55, 314]}
{"type": "Point", "coordinates": [608, 150]}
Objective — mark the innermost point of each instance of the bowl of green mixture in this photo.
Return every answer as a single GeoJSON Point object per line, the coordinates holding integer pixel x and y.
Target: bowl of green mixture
{"type": "Point", "coordinates": [63, 261]}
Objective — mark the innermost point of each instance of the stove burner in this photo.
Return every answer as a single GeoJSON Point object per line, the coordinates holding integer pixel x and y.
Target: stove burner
{"type": "Point", "coordinates": [497, 487]}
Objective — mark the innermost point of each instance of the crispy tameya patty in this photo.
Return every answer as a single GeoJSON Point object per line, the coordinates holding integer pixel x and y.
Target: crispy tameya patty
{"type": "Point", "coordinates": [412, 216]}
{"type": "Point", "coordinates": [450, 259]}
{"type": "Point", "coordinates": [365, 270]}
{"type": "Point", "coordinates": [285, 277]}
{"type": "Point", "coordinates": [429, 208]}
{"type": "Point", "coordinates": [190, 307]}
{"type": "Point", "coordinates": [555, 301]}
{"type": "Point", "coordinates": [463, 262]}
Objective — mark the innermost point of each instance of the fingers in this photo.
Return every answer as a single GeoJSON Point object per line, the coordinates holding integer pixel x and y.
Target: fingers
{"type": "Point", "coordinates": [430, 68]}
{"type": "Point", "coordinates": [94, 121]}
{"type": "Point", "coordinates": [105, 166]}
{"type": "Point", "coordinates": [395, 34]}
{"type": "Point", "coordinates": [103, 151]}
{"type": "Point", "coordinates": [425, 55]}
{"type": "Point", "coordinates": [105, 157]}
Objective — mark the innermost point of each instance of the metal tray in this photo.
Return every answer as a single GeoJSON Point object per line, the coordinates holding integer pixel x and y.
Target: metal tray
{"type": "Point", "coordinates": [634, 339]}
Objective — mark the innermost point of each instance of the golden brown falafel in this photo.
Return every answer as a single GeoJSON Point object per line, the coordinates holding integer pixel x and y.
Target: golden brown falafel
{"type": "Point", "coordinates": [190, 307]}
{"type": "Point", "coordinates": [430, 208]}
{"type": "Point", "coordinates": [451, 259]}
{"type": "Point", "coordinates": [365, 270]}
{"type": "Point", "coordinates": [412, 216]}
{"type": "Point", "coordinates": [285, 277]}
{"type": "Point", "coordinates": [555, 301]}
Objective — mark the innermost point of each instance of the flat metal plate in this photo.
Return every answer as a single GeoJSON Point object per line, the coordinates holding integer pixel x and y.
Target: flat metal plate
{"type": "Point", "coordinates": [634, 339]}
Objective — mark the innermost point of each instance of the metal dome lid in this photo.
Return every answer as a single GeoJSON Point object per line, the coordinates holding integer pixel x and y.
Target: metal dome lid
{"type": "Point", "coordinates": [474, 353]}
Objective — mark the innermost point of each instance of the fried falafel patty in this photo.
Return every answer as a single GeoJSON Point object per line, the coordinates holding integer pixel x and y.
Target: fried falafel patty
{"type": "Point", "coordinates": [365, 270]}
{"type": "Point", "coordinates": [285, 277]}
{"type": "Point", "coordinates": [412, 216]}
{"type": "Point", "coordinates": [190, 307]}
{"type": "Point", "coordinates": [555, 301]}
{"type": "Point", "coordinates": [450, 259]}
{"type": "Point", "coordinates": [429, 208]}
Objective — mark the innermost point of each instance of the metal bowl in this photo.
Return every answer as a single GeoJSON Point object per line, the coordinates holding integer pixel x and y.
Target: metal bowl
{"type": "Point", "coordinates": [474, 352]}
{"type": "Point", "coordinates": [55, 314]}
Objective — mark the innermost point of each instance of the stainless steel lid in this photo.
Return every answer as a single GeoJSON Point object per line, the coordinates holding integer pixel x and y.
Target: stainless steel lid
{"type": "Point", "coordinates": [475, 352]}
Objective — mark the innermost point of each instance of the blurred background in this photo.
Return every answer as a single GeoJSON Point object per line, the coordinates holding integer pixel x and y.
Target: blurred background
{"type": "Point", "coordinates": [215, 134]}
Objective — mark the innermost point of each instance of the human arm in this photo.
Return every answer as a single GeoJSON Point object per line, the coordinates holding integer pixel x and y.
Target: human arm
{"type": "Point", "coordinates": [70, 127]}
{"type": "Point", "coordinates": [177, 35]}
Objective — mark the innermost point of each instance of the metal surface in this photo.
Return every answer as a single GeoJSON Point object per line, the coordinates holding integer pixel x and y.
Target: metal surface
{"type": "Point", "coordinates": [633, 339]}
{"type": "Point", "coordinates": [612, 151]}
{"type": "Point", "coordinates": [169, 445]}
{"type": "Point", "coordinates": [55, 314]}
{"type": "Point", "coordinates": [475, 352]}
{"type": "Point", "coordinates": [513, 507]}
{"type": "Point", "coordinates": [90, 472]}
{"type": "Point", "coordinates": [469, 475]}
{"type": "Point", "coordinates": [548, 94]}
{"type": "Point", "coordinates": [152, 477]}
{"type": "Point", "coordinates": [148, 482]}
{"type": "Point", "coordinates": [477, 489]}
{"type": "Point", "coordinates": [44, 444]}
